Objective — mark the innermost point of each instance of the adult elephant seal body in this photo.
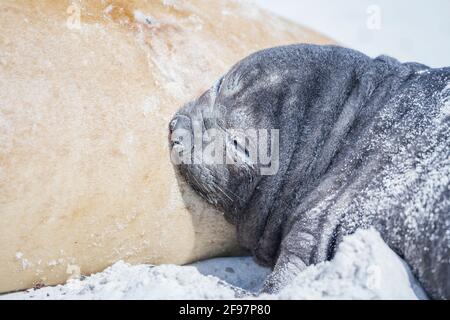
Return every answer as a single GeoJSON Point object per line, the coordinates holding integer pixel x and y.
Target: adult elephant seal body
{"type": "Point", "coordinates": [362, 143]}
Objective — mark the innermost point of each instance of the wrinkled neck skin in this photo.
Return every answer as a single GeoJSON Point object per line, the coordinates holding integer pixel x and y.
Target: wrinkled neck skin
{"type": "Point", "coordinates": [320, 103]}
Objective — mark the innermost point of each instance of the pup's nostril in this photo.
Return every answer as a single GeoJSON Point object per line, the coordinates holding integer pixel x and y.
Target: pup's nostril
{"type": "Point", "coordinates": [175, 144]}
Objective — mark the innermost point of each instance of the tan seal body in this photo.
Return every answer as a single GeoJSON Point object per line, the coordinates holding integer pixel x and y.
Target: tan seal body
{"type": "Point", "coordinates": [86, 91]}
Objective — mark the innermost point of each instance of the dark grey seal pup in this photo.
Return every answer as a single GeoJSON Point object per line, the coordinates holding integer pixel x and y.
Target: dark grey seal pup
{"type": "Point", "coordinates": [361, 143]}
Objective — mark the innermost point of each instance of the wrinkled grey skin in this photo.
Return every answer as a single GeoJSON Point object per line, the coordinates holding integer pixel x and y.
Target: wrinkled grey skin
{"type": "Point", "coordinates": [363, 142]}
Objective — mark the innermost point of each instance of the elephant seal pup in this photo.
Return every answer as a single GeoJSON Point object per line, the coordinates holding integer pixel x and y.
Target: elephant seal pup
{"type": "Point", "coordinates": [354, 142]}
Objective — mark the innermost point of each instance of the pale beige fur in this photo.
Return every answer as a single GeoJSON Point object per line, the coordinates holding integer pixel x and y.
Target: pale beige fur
{"type": "Point", "coordinates": [85, 176]}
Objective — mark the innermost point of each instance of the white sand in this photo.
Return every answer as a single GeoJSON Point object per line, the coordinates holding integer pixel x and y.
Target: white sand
{"type": "Point", "coordinates": [363, 268]}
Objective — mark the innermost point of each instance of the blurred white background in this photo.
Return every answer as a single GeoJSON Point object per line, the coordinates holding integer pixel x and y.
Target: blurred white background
{"type": "Point", "coordinates": [409, 30]}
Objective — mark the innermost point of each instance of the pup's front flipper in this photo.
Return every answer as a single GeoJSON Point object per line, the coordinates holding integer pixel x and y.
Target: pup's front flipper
{"type": "Point", "coordinates": [294, 256]}
{"type": "Point", "coordinates": [288, 266]}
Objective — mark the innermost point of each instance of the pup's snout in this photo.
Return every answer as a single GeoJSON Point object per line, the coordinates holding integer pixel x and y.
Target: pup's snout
{"type": "Point", "coordinates": [179, 122]}
{"type": "Point", "coordinates": [179, 127]}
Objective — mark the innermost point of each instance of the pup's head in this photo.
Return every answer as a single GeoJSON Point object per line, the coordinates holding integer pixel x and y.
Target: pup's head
{"type": "Point", "coordinates": [224, 142]}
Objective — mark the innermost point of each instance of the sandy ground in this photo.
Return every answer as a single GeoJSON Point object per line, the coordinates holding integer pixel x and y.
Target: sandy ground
{"type": "Point", "coordinates": [364, 268]}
